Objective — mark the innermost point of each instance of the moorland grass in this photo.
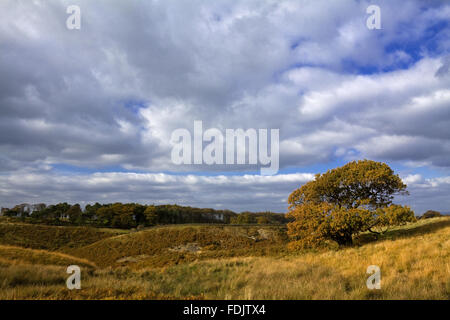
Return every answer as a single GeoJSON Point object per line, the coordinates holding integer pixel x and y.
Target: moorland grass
{"type": "Point", "coordinates": [414, 262]}
{"type": "Point", "coordinates": [171, 245]}
{"type": "Point", "coordinates": [50, 237]}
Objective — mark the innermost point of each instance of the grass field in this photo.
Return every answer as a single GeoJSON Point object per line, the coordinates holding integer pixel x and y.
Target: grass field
{"type": "Point", "coordinates": [220, 262]}
{"type": "Point", "coordinates": [50, 237]}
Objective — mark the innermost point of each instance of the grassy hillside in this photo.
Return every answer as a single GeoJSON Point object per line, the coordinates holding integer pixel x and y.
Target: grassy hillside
{"type": "Point", "coordinates": [28, 272]}
{"type": "Point", "coordinates": [164, 246]}
{"type": "Point", "coordinates": [13, 256]}
{"type": "Point", "coordinates": [218, 262]}
{"type": "Point", "coordinates": [50, 237]}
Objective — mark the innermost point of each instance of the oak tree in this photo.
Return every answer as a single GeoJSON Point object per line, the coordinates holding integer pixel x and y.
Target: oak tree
{"type": "Point", "coordinates": [345, 201]}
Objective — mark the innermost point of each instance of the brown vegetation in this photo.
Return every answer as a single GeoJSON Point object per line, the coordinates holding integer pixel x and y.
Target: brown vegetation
{"type": "Point", "coordinates": [49, 237]}
{"type": "Point", "coordinates": [244, 263]}
{"type": "Point", "coordinates": [343, 202]}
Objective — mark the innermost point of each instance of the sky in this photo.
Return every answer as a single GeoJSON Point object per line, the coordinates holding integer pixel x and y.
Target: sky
{"type": "Point", "coordinates": [87, 114]}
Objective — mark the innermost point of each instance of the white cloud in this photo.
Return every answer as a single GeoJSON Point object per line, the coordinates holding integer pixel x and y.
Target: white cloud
{"type": "Point", "coordinates": [248, 192]}
{"type": "Point", "coordinates": [427, 194]}
{"type": "Point", "coordinates": [110, 94]}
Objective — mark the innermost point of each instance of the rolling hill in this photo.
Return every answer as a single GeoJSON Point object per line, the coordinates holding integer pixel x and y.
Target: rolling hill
{"type": "Point", "coordinates": [220, 262]}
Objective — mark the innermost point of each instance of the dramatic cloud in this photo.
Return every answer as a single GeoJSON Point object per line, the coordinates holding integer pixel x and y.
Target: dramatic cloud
{"type": "Point", "coordinates": [428, 193]}
{"type": "Point", "coordinates": [87, 114]}
{"type": "Point", "coordinates": [243, 192]}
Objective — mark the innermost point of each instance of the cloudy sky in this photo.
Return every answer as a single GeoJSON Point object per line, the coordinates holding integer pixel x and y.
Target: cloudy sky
{"type": "Point", "coordinates": [87, 115]}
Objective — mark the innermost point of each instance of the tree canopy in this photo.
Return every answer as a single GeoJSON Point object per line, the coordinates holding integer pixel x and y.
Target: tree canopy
{"type": "Point", "coordinates": [134, 215]}
{"type": "Point", "coordinates": [345, 201]}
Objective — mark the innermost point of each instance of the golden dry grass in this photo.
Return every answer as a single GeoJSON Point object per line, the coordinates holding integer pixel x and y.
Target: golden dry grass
{"type": "Point", "coordinates": [10, 255]}
{"type": "Point", "coordinates": [50, 237]}
{"type": "Point", "coordinates": [414, 262]}
{"type": "Point", "coordinates": [163, 246]}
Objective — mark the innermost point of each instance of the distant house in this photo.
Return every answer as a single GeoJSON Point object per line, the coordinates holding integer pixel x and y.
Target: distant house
{"type": "Point", "coordinates": [38, 207]}
{"type": "Point", "coordinates": [64, 216]}
{"type": "Point", "coordinates": [3, 211]}
{"type": "Point", "coordinates": [218, 216]}
{"type": "Point", "coordinates": [25, 209]}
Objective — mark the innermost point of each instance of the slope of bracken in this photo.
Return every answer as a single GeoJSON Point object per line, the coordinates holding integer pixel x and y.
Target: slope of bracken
{"type": "Point", "coordinates": [50, 237]}
{"type": "Point", "coordinates": [11, 256]}
{"type": "Point", "coordinates": [164, 246]}
{"type": "Point", "coordinates": [243, 262]}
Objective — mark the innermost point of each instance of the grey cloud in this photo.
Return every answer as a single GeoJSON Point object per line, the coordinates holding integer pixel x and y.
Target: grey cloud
{"type": "Point", "coordinates": [217, 59]}
{"type": "Point", "coordinates": [238, 193]}
{"type": "Point", "coordinates": [427, 194]}
{"type": "Point", "coordinates": [66, 96]}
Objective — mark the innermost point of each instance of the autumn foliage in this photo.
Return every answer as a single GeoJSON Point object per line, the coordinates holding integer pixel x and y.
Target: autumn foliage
{"type": "Point", "coordinates": [344, 202]}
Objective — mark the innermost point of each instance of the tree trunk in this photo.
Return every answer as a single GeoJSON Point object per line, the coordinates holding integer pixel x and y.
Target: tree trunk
{"type": "Point", "coordinates": [344, 240]}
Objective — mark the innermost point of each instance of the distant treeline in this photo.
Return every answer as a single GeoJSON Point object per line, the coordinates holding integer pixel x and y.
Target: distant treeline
{"type": "Point", "coordinates": [133, 215]}
{"type": "Point", "coordinates": [430, 214]}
